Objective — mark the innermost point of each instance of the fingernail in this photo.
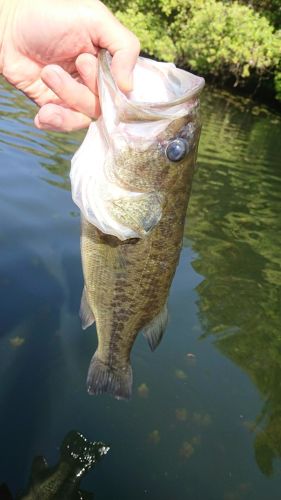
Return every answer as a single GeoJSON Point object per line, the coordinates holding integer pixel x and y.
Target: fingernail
{"type": "Point", "coordinates": [56, 120]}
{"type": "Point", "coordinates": [130, 82]}
{"type": "Point", "coordinates": [126, 84]}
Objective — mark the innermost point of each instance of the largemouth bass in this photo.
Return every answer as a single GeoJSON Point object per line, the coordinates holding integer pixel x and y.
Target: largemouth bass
{"type": "Point", "coordinates": [131, 179]}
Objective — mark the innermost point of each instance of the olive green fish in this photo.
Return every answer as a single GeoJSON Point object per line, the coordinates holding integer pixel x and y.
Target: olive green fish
{"type": "Point", "coordinates": [132, 235]}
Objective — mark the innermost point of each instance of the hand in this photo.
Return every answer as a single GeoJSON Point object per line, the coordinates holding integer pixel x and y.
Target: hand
{"type": "Point", "coordinates": [49, 51]}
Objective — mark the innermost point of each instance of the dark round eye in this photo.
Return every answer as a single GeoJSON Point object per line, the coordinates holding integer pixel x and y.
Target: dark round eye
{"type": "Point", "coordinates": [176, 150]}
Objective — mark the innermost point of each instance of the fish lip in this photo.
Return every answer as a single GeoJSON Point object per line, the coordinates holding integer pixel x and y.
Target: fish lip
{"type": "Point", "coordinates": [104, 58]}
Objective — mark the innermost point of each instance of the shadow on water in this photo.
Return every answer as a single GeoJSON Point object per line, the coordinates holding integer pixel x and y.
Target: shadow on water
{"type": "Point", "coordinates": [62, 481]}
{"type": "Point", "coordinates": [235, 228]}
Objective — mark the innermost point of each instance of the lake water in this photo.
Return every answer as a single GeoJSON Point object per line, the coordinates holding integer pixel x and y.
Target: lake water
{"type": "Point", "coordinates": [204, 422]}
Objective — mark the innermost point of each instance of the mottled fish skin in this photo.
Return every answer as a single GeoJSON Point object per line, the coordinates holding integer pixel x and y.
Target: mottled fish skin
{"type": "Point", "coordinates": [127, 283]}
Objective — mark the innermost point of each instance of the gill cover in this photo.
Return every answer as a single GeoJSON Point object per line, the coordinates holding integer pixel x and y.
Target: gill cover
{"type": "Point", "coordinates": [132, 122]}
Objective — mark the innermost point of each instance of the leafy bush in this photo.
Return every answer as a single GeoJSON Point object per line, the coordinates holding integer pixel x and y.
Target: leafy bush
{"type": "Point", "coordinates": [223, 39]}
{"type": "Point", "coordinates": [213, 37]}
{"type": "Point", "coordinates": [270, 8]}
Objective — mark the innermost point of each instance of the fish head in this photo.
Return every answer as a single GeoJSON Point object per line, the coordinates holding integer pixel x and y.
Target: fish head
{"type": "Point", "coordinates": [149, 171]}
{"type": "Point", "coordinates": [152, 143]}
{"type": "Point", "coordinates": [145, 145]}
{"type": "Point", "coordinates": [152, 165]}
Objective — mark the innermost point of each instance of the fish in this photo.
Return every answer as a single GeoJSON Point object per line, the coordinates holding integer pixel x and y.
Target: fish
{"type": "Point", "coordinates": [62, 481]}
{"type": "Point", "coordinates": [131, 179]}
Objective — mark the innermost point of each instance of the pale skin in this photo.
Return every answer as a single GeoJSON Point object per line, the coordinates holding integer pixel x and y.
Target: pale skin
{"type": "Point", "coordinates": [48, 50]}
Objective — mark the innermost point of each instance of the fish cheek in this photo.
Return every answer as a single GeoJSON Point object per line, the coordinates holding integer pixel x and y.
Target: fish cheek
{"type": "Point", "coordinates": [141, 170]}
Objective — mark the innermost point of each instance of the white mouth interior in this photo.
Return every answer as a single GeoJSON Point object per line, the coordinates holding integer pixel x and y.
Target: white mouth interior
{"type": "Point", "coordinates": [153, 83]}
{"type": "Point", "coordinates": [157, 82]}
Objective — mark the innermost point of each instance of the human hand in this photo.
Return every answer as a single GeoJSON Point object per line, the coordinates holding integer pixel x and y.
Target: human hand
{"type": "Point", "coordinates": [49, 51]}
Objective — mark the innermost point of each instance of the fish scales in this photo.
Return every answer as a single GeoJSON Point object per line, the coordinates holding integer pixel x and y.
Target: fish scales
{"type": "Point", "coordinates": [127, 280]}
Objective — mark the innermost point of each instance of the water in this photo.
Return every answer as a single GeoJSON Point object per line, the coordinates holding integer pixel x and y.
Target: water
{"type": "Point", "coordinates": [207, 423]}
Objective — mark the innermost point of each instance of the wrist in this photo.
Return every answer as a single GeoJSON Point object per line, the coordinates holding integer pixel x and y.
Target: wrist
{"type": "Point", "coordinates": [7, 8]}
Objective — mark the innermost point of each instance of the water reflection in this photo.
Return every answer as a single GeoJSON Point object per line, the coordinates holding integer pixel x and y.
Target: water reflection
{"type": "Point", "coordinates": [194, 414]}
{"type": "Point", "coordinates": [33, 293]}
{"type": "Point", "coordinates": [62, 481]}
{"type": "Point", "coordinates": [235, 228]}
{"type": "Point", "coordinates": [51, 148]}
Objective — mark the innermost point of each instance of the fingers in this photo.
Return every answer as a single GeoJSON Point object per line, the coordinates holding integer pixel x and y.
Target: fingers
{"type": "Point", "coordinates": [79, 101]}
{"type": "Point", "coordinates": [57, 118]}
{"type": "Point", "coordinates": [86, 65]}
{"type": "Point", "coordinates": [107, 32]}
{"type": "Point", "coordinates": [122, 66]}
{"type": "Point", "coordinates": [73, 94]}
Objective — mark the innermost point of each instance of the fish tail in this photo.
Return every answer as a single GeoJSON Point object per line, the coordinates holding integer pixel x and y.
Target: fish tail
{"type": "Point", "coordinates": [80, 453]}
{"type": "Point", "coordinates": [104, 378]}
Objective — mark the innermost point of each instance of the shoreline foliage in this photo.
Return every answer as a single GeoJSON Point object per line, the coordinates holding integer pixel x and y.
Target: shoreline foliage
{"type": "Point", "coordinates": [229, 41]}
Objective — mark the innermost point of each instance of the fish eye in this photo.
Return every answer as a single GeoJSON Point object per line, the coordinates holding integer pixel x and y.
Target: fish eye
{"type": "Point", "coordinates": [176, 150]}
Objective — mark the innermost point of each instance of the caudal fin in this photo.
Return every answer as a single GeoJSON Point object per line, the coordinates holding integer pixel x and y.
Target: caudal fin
{"type": "Point", "coordinates": [103, 378]}
{"type": "Point", "coordinates": [81, 454]}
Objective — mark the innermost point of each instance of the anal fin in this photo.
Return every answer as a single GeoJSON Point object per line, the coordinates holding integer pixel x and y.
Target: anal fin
{"type": "Point", "coordinates": [153, 332]}
{"type": "Point", "coordinates": [85, 313]}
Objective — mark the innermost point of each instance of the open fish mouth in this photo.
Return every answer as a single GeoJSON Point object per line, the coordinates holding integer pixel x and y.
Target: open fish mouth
{"type": "Point", "coordinates": [109, 165]}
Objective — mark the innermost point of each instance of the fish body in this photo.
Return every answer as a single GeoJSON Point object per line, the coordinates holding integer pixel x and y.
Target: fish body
{"type": "Point", "coordinates": [61, 482]}
{"type": "Point", "coordinates": [130, 255]}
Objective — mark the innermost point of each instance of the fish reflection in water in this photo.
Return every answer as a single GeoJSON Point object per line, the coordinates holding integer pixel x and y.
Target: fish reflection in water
{"type": "Point", "coordinates": [62, 481]}
{"type": "Point", "coordinates": [133, 202]}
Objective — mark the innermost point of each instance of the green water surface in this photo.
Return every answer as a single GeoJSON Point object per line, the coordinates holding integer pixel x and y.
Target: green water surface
{"type": "Point", "coordinates": [204, 422]}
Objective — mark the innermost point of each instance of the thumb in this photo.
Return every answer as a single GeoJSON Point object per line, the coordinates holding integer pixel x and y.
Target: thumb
{"type": "Point", "coordinates": [108, 33]}
{"type": "Point", "coordinates": [122, 66]}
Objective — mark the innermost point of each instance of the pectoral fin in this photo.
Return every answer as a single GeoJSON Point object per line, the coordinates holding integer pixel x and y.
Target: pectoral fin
{"type": "Point", "coordinates": [86, 315]}
{"type": "Point", "coordinates": [153, 332]}
{"type": "Point", "coordinates": [140, 213]}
